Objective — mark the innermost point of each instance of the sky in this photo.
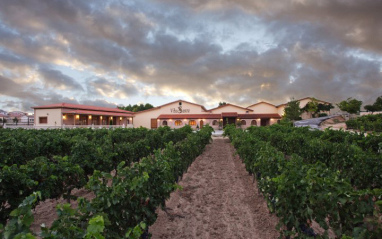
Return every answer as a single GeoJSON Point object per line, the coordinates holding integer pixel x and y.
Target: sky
{"type": "Point", "coordinates": [116, 52]}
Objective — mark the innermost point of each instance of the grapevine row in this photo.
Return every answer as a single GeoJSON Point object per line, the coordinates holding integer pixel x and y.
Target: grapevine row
{"type": "Point", "coordinates": [67, 157]}
{"type": "Point", "coordinates": [125, 204]}
{"type": "Point", "coordinates": [363, 168]}
{"type": "Point", "coordinates": [300, 190]}
{"type": "Point", "coordinates": [366, 123]}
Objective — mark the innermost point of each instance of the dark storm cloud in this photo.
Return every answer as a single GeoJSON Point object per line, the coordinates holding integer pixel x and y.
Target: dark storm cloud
{"type": "Point", "coordinates": [356, 23]}
{"type": "Point", "coordinates": [29, 96]}
{"type": "Point", "coordinates": [182, 46]}
{"type": "Point", "coordinates": [33, 97]}
{"type": "Point", "coordinates": [10, 88]}
{"type": "Point", "coordinates": [41, 16]}
{"type": "Point", "coordinates": [56, 79]}
{"type": "Point", "coordinates": [13, 65]}
{"type": "Point", "coordinates": [10, 61]}
{"type": "Point", "coordinates": [314, 40]}
{"type": "Point", "coordinates": [31, 50]}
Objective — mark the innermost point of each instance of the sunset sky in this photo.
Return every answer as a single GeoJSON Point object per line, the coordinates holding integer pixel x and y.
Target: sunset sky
{"type": "Point", "coordinates": [113, 52]}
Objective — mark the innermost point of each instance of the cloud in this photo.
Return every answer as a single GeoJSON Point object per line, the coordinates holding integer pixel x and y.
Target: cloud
{"type": "Point", "coordinates": [101, 103]}
{"type": "Point", "coordinates": [10, 88]}
{"type": "Point", "coordinates": [208, 51]}
{"type": "Point", "coordinates": [101, 87]}
{"type": "Point", "coordinates": [28, 97]}
{"type": "Point", "coordinates": [58, 80]}
{"type": "Point", "coordinates": [355, 23]}
{"type": "Point", "coordinates": [36, 97]}
{"type": "Point", "coordinates": [11, 104]}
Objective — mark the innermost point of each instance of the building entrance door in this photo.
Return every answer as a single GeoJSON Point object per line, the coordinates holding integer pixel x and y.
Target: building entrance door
{"type": "Point", "coordinates": [229, 120]}
{"type": "Point", "coordinates": [264, 122]}
{"type": "Point", "coordinates": [201, 123]}
{"type": "Point", "coordinates": [154, 123]}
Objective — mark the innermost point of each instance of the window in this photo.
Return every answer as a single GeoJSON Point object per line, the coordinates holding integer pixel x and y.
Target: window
{"type": "Point", "coordinates": [42, 120]}
{"type": "Point", "coordinates": [243, 122]}
{"type": "Point", "coordinates": [164, 123]}
{"type": "Point", "coordinates": [215, 122]}
{"type": "Point", "coordinates": [180, 103]}
{"type": "Point", "coordinates": [253, 122]}
{"type": "Point", "coordinates": [178, 122]}
{"type": "Point", "coordinates": [192, 122]}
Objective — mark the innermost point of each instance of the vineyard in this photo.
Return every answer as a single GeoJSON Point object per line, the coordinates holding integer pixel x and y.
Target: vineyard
{"type": "Point", "coordinates": [130, 171]}
{"type": "Point", "coordinates": [366, 123]}
{"type": "Point", "coordinates": [332, 178]}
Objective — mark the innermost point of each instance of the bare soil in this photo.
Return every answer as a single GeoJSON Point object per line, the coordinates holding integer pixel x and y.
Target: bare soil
{"type": "Point", "coordinates": [45, 211]}
{"type": "Point", "coordinates": [335, 120]}
{"type": "Point", "coordinates": [219, 200]}
{"type": "Point", "coordinates": [335, 123]}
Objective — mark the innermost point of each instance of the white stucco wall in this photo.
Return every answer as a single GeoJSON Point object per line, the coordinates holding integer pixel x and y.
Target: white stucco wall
{"type": "Point", "coordinates": [280, 110]}
{"type": "Point", "coordinates": [143, 119]}
{"type": "Point", "coordinates": [263, 108]}
{"type": "Point", "coordinates": [54, 117]}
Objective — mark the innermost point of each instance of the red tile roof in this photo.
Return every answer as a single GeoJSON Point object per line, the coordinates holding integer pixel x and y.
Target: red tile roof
{"type": "Point", "coordinates": [228, 104]}
{"type": "Point", "coordinates": [16, 114]}
{"type": "Point", "coordinates": [93, 112]}
{"type": "Point", "coordinates": [158, 107]}
{"type": "Point", "coordinates": [261, 102]}
{"type": "Point", "coordinates": [258, 116]}
{"type": "Point", "coordinates": [189, 116]}
{"type": "Point", "coordinates": [82, 107]}
{"type": "Point", "coordinates": [218, 116]}
{"type": "Point", "coordinates": [229, 114]}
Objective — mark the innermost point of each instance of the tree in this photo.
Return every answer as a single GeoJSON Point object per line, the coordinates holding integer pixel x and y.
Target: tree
{"type": "Point", "coordinates": [314, 107]}
{"type": "Point", "coordinates": [292, 110]}
{"type": "Point", "coordinates": [352, 106]}
{"type": "Point", "coordinates": [148, 106]}
{"type": "Point", "coordinates": [15, 120]}
{"type": "Point", "coordinates": [377, 106]}
{"type": "Point", "coordinates": [324, 107]}
{"type": "Point", "coordinates": [378, 103]}
{"type": "Point", "coordinates": [370, 108]}
{"type": "Point", "coordinates": [136, 107]}
{"type": "Point", "coordinates": [311, 107]}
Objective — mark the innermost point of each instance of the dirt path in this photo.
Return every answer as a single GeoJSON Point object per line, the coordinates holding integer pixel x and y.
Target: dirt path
{"type": "Point", "coordinates": [218, 200]}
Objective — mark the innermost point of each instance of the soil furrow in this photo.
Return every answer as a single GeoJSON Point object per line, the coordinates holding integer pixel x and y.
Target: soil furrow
{"type": "Point", "coordinates": [218, 200]}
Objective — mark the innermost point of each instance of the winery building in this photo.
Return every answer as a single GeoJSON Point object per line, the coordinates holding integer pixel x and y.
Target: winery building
{"type": "Point", "coordinates": [73, 115]}
{"type": "Point", "coordinates": [179, 113]}
{"type": "Point", "coordinates": [175, 114]}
